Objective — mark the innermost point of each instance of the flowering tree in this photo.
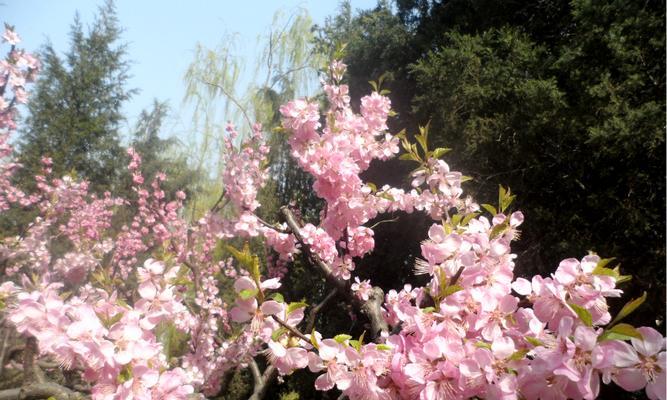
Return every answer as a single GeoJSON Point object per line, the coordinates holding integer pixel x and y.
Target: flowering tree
{"type": "Point", "coordinates": [137, 312]}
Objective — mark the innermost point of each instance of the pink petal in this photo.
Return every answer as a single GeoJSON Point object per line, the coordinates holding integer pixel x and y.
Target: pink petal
{"type": "Point", "coordinates": [272, 307]}
{"type": "Point", "coordinates": [630, 379]}
{"type": "Point", "coordinates": [271, 283]}
{"type": "Point", "coordinates": [278, 349]}
{"type": "Point", "coordinates": [653, 341]}
{"type": "Point", "coordinates": [323, 382]}
{"type": "Point", "coordinates": [244, 283]}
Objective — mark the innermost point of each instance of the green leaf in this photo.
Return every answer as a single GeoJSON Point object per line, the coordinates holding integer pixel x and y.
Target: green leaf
{"type": "Point", "coordinates": [372, 186]}
{"type": "Point", "coordinates": [533, 341]}
{"type": "Point", "coordinates": [483, 345]}
{"type": "Point", "coordinates": [342, 338]}
{"type": "Point", "coordinates": [623, 279]}
{"type": "Point", "coordinates": [407, 157]}
{"type": "Point", "coordinates": [501, 195]}
{"type": "Point", "coordinates": [295, 306]}
{"type": "Point", "coordinates": [505, 198]}
{"type": "Point", "coordinates": [440, 151]}
{"type": "Point", "coordinates": [628, 308]}
{"type": "Point", "coordinates": [383, 347]}
{"type": "Point", "coordinates": [387, 196]}
{"type": "Point", "coordinates": [465, 178]}
{"type": "Point", "coordinates": [355, 344]}
{"type": "Point", "coordinates": [449, 290]}
{"type": "Point", "coordinates": [499, 229]}
{"type": "Point", "coordinates": [254, 269]}
{"type": "Point", "coordinates": [582, 313]}
{"type": "Point", "coordinates": [469, 217]}
{"type": "Point", "coordinates": [124, 375]}
{"type": "Point", "coordinates": [518, 355]}
{"type": "Point", "coordinates": [313, 339]}
{"type": "Point", "coordinates": [605, 271]}
{"type": "Point", "coordinates": [603, 263]}
{"type": "Point", "coordinates": [278, 333]}
{"type": "Point", "coordinates": [246, 294]}
{"type": "Point", "coordinates": [243, 257]}
{"type": "Point", "coordinates": [491, 209]}
{"type": "Point", "coordinates": [109, 322]}
{"type": "Point", "coordinates": [620, 332]}
{"type": "Point", "coordinates": [422, 142]}
{"type": "Point", "coordinates": [277, 297]}
{"type": "Point", "coordinates": [427, 310]}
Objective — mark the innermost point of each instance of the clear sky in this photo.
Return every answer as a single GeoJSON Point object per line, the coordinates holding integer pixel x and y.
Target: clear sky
{"type": "Point", "coordinates": [161, 34]}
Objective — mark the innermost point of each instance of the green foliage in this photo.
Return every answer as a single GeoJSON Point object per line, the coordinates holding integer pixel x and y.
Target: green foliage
{"type": "Point", "coordinates": [75, 109]}
{"type": "Point", "coordinates": [163, 155]}
{"type": "Point", "coordinates": [561, 101]}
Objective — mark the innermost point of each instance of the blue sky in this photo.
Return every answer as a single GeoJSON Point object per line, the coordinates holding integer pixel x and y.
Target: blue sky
{"type": "Point", "coordinates": [161, 35]}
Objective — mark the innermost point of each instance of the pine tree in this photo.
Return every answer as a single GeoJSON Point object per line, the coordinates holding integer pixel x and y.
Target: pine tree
{"type": "Point", "coordinates": [75, 112]}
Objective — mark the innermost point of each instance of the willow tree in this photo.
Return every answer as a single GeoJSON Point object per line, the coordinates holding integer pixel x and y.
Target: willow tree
{"type": "Point", "coordinates": [218, 92]}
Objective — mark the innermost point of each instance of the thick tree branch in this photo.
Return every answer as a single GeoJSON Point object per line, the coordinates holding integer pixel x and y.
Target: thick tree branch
{"type": "Point", "coordinates": [3, 350]}
{"type": "Point", "coordinates": [40, 391]}
{"type": "Point", "coordinates": [371, 308]}
{"type": "Point", "coordinates": [31, 371]}
{"type": "Point", "coordinates": [262, 380]}
{"type": "Point", "coordinates": [256, 374]}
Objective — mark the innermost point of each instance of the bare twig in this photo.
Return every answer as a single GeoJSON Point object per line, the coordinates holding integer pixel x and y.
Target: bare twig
{"type": "Point", "coordinates": [292, 329]}
{"type": "Point", "coordinates": [195, 272]}
{"type": "Point", "coordinates": [232, 99]}
{"type": "Point", "coordinates": [456, 276]}
{"type": "Point", "coordinates": [269, 225]}
{"type": "Point", "coordinates": [312, 315]}
{"type": "Point", "coordinates": [383, 222]}
{"type": "Point", "coordinates": [215, 207]}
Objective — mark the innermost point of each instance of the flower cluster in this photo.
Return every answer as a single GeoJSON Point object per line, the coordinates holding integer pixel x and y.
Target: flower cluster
{"type": "Point", "coordinates": [16, 71]}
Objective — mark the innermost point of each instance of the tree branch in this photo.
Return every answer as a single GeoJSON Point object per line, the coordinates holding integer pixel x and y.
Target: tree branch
{"type": "Point", "coordinates": [292, 329]}
{"type": "Point", "coordinates": [38, 391]}
{"type": "Point", "coordinates": [233, 100]}
{"type": "Point", "coordinates": [372, 308]}
{"type": "Point", "coordinates": [262, 380]}
{"type": "Point", "coordinates": [217, 206]}
{"type": "Point", "coordinates": [312, 315]}
{"type": "Point", "coordinates": [256, 375]}
{"type": "Point", "coordinates": [31, 372]}
{"type": "Point", "coordinates": [4, 349]}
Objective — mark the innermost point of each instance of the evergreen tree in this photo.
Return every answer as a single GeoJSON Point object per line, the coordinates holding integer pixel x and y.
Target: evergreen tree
{"type": "Point", "coordinates": [564, 96]}
{"type": "Point", "coordinates": [75, 112]}
{"type": "Point", "coordinates": [162, 155]}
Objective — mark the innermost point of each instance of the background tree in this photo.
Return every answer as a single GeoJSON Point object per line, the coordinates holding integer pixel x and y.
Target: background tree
{"type": "Point", "coordinates": [565, 96]}
{"type": "Point", "coordinates": [76, 111]}
{"type": "Point", "coordinates": [163, 155]}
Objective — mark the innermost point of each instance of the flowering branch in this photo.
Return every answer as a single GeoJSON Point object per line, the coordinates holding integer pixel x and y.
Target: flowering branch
{"type": "Point", "coordinates": [372, 307]}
